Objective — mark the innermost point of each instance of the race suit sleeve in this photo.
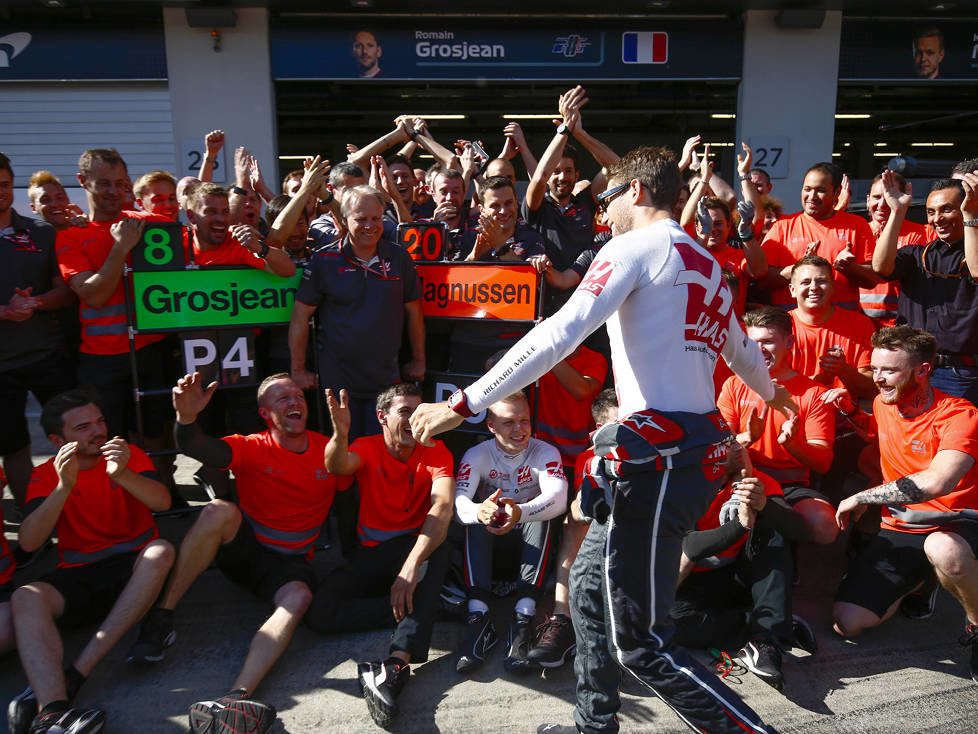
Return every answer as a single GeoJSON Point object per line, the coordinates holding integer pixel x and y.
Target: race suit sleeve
{"type": "Point", "coordinates": [552, 500]}
{"type": "Point", "coordinates": [745, 359]}
{"type": "Point", "coordinates": [467, 480]}
{"type": "Point", "coordinates": [554, 339]}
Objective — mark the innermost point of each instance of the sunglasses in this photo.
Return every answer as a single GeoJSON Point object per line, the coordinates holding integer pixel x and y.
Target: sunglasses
{"type": "Point", "coordinates": [605, 198]}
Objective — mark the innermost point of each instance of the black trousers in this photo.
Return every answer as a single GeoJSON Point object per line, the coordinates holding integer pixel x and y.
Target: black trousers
{"type": "Point", "coordinates": [748, 598]}
{"type": "Point", "coordinates": [357, 597]}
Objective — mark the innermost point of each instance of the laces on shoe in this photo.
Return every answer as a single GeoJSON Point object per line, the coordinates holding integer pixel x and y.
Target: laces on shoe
{"type": "Point", "coordinates": [549, 632]}
{"type": "Point", "coordinates": [726, 666]}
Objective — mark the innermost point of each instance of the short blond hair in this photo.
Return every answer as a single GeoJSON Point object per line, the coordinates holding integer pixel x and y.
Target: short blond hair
{"type": "Point", "coordinates": [148, 179]}
{"type": "Point", "coordinates": [516, 397]}
{"type": "Point", "coordinates": [40, 179]}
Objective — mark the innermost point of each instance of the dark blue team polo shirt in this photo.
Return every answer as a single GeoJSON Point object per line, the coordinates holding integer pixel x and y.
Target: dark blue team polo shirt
{"type": "Point", "coordinates": [938, 294]}
{"type": "Point", "coordinates": [567, 230]}
{"type": "Point", "coordinates": [361, 314]}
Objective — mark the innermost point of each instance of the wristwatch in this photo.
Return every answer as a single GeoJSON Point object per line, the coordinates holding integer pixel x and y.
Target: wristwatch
{"type": "Point", "coordinates": [460, 404]}
{"type": "Point", "coordinates": [970, 222]}
{"type": "Point", "coordinates": [330, 199]}
{"type": "Point", "coordinates": [745, 177]}
{"type": "Point", "coordinates": [562, 129]}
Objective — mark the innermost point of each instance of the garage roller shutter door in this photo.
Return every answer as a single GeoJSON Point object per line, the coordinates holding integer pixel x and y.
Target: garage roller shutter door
{"type": "Point", "coordinates": [47, 126]}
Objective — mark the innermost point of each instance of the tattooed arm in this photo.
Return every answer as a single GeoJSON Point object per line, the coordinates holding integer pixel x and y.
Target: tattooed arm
{"type": "Point", "coordinates": [946, 469]}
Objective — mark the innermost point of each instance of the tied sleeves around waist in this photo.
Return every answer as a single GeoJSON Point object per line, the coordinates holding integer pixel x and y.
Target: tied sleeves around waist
{"type": "Point", "coordinates": [650, 440]}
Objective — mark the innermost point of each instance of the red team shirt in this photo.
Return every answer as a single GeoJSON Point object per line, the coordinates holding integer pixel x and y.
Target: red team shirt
{"type": "Point", "coordinates": [847, 329]}
{"type": "Point", "coordinates": [99, 518]}
{"type": "Point", "coordinates": [231, 252]}
{"type": "Point", "coordinates": [81, 249]}
{"type": "Point", "coordinates": [817, 423]}
{"type": "Point", "coordinates": [907, 446]}
{"type": "Point", "coordinates": [788, 238]}
{"type": "Point", "coordinates": [563, 421]}
{"type": "Point", "coordinates": [395, 496]}
{"type": "Point", "coordinates": [711, 520]}
{"type": "Point", "coordinates": [880, 303]}
{"type": "Point", "coordinates": [7, 563]}
{"type": "Point", "coordinates": [284, 496]}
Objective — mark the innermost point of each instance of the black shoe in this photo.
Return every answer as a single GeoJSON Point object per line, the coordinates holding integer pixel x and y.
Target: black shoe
{"type": "Point", "coordinates": [70, 721]}
{"type": "Point", "coordinates": [234, 713]}
{"type": "Point", "coordinates": [763, 659]}
{"type": "Point", "coordinates": [804, 634]}
{"type": "Point", "coordinates": [520, 634]}
{"type": "Point", "coordinates": [380, 684]}
{"type": "Point", "coordinates": [155, 635]}
{"type": "Point", "coordinates": [555, 643]}
{"type": "Point", "coordinates": [920, 604]}
{"type": "Point", "coordinates": [21, 712]}
{"type": "Point", "coordinates": [970, 639]}
{"type": "Point", "coordinates": [452, 604]}
{"type": "Point", "coordinates": [480, 638]}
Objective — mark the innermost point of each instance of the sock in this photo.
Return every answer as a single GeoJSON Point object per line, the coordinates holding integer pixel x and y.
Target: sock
{"type": "Point", "coordinates": [73, 681]}
{"type": "Point", "coordinates": [476, 605]}
{"type": "Point", "coordinates": [526, 606]}
{"type": "Point", "coordinates": [396, 663]}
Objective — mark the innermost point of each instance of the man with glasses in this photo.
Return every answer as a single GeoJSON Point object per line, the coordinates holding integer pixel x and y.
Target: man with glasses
{"type": "Point", "coordinates": [938, 292]}
{"type": "Point", "coordinates": [670, 313]}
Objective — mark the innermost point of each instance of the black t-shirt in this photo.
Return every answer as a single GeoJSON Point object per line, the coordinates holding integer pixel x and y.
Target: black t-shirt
{"type": "Point", "coordinates": [361, 314]}
{"type": "Point", "coordinates": [567, 230]}
{"type": "Point", "coordinates": [938, 294]}
{"type": "Point", "coordinates": [27, 259]}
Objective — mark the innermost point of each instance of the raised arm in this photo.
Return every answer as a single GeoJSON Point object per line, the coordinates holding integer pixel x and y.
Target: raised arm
{"type": "Point", "coordinates": [400, 134]}
{"type": "Point", "coordinates": [338, 457]}
{"type": "Point", "coordinates": [515, 138]}
{"type": "Point", "coordinates": [190, 397]}
{"type": "Point", "coordinates": [312, 182]}
{"type": "Point", "coordinates": [570, 108]}
{"type": "Point", "coordinates": [213, 142]}
{"type": "Point", "coordinates": [969, 208]}
{"type": "Point", "coordinates": [884, 254]}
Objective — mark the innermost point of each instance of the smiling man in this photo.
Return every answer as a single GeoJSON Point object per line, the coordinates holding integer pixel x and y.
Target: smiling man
{"type": "Point", "coordinates": [395, 574]}
{"type": "Point", "coordinates": [928, 52]}
{"type": "Point", "coordinates": [367, 52]}
{"type": "Point", "coordinates": [938, 292]}
{"type": "Point", "coordinates": [264, 542]}
{"type": "Point", "coordinates": [508, 489]}
{"type": "Point", "coordinates": [843, 239]}
{"type": "Point", "coordinates": [928, 442]}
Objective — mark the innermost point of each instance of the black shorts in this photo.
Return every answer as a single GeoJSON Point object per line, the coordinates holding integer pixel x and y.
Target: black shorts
{"type": "Point", "coordinates": [90, 591]}
{"type": "Point", "coordinates": [893, 565]}
{"type": "Point", "coordinates": [45, 378]}
{"type": "Point", "coordinates": [111, 376]}
{"type": "Point", "coordinates": [6, 591]}
{"type": "Point", "coordinates": [259, 568]}
{"type": "Point", "coordinates": [795, 493]}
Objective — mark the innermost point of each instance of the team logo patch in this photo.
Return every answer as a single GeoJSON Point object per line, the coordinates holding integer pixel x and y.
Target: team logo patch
{"type": "Point", "coordinates": [523, 476]}
{"type": "Point", "coordinates": [597, 278]}
{"type": "Point", "coordinates": [554, 469]}
{"type": "Point", "coordinates": [464, 470]}
{"type": "Point", "coordinates": [708, 298]}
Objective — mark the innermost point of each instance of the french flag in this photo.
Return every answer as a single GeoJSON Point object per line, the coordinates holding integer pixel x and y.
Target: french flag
{"type": "Point", "coordinates": [646, 47]}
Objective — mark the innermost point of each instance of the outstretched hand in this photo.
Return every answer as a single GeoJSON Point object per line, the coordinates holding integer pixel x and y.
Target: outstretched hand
{"type": "Point", "coordinates": [190, 397]}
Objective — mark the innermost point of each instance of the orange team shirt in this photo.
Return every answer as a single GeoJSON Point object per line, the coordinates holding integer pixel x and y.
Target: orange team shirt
{"type": "Point", "coordinates": [7, 562]}
{"type": "Point", "coordinates": [787, 239]}
{"type": "Point", "coordinates": [395, 496]}
{"type": "Point", "coordinates": [563, 421]}
{"type": "Point", "coordinates": [231, 252]}
{"type": "Point", "coordinates": [711, 520]}
{"type": "Point", "coordinates": [817, 423]}
{"type": "Point", "coordinates": [99, 518]}
{"type": "Point", "coordinates": [907, 446]}
{"type": "Point", "coordinates": [847, 329]}
{"type": "Point", "coordinates": [284, 496]}
{"type": "Point", "coordinates": [81, 249]}
{"type": "Point", "coordinates": [880, 302]}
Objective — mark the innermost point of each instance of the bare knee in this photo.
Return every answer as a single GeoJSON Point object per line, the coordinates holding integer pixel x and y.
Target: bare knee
{"type": "Point", "coordinates": [949, 553]}
{"type": "Point", "coordinates": [158, 555]}
{"type": "Point", "coordinates": [850, 619]}
{"type": "Point", "coordinates": [295, 597]}
{"type": "Point", "coordinates": [820, 518]}
{"type": "Point", "coordinates": [219, 517]}
{"type": "Point", "coordinates": [30, 601]}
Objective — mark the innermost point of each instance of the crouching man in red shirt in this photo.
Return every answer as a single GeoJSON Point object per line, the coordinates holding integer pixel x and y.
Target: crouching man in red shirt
{"type": "Point", "coordinates": [100, 495]}
{"type": "Point", "coordinates": [264, 542]}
